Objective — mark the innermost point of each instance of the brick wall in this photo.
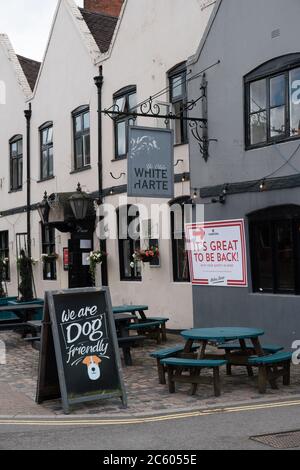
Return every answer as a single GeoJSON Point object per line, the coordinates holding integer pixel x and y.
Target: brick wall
{"type": "Point", "coordinates": [110, 7]}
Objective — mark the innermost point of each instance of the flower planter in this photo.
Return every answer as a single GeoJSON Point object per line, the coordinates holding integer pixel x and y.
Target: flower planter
{"type": "Point", "coordinates": [38, 313]}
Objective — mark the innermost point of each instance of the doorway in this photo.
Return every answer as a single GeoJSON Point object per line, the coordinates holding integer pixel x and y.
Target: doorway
{"type": "Point", "coordinates": [80, 246]}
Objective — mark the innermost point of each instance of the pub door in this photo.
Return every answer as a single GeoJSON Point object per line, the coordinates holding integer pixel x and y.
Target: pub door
{"type": "Point", "coordinates": [80, 246]}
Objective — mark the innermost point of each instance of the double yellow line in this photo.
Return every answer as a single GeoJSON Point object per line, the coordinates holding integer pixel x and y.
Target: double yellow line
{"type": "Point", "coordinates": [150, 419]}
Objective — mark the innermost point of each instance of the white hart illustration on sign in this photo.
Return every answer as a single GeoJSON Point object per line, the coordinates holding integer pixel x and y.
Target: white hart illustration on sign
{"type": "Point", "coordinates": [93, 368]}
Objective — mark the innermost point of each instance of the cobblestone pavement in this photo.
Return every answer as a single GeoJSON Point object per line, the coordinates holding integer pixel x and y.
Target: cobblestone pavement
{"type": "Point", "coordinates": [19, 376]}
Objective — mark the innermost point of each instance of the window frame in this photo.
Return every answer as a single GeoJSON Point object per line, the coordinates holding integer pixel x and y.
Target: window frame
{"type": "Point", "coordinates": [4, 251]}
{"type": "Point", "coordinates": [132, 244]}
{"type": "Point", "coordinates": [272, 218]}
{"type": "Point", "coordinates": [46, 147]}
{"type": "Point", "coordinates": [175, 255]}
{"type": "Point", "coordinates": [282, 65]}
{"type": "Point", "coordinates": [125, 92]}
{"type": "Point", "coordinates": [81, 111]}
{"type": "Point", "coordinates": [177, 71]}
{"type": "Point", "coordinates": [19, 159]}
{"type": "Point", "coordinates": [49, 247]}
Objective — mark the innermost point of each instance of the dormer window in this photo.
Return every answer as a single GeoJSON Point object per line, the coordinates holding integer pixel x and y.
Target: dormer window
{"type": "Point", "coordinates": [273, 102]}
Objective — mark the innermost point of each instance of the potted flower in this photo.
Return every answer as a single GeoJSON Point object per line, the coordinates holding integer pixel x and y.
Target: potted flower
{"type": "Point", "coordinates": [95, 258]}
{"type": "Point", "coordinates": [48, 257]}
{"type": "Point", "coordinates": [146, 256]}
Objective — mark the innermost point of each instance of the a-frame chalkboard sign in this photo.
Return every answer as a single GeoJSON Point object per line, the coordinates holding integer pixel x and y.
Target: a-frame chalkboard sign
{"type": "Point", "coordinates": [79, 357]}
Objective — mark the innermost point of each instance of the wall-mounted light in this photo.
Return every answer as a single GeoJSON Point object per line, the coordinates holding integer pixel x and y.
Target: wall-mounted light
{"type": "Point", "coordinates": [262, 185]}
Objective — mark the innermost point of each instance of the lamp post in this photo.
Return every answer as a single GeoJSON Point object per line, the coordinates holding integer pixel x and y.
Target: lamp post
{"type": "Point", "coordinates": [79, 203]}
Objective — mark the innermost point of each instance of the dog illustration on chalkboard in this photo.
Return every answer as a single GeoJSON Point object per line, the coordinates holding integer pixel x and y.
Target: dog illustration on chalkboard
{"type": "Point", "coordinates": [93, 368]}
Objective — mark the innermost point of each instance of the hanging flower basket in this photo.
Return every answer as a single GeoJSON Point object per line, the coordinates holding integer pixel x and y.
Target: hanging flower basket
{"type": "Point", "coordinates": [47, 258]}
{"type": "Point", "coordinates": [95, 258]}
{"type": "Point", "coordinates": [146, 256]}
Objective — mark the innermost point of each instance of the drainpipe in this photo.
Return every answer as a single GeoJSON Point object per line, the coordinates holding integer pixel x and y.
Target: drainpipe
{"type": "Point", "coordinates": [28, 114]}
{"type": "Point", "coordinates": [99, 84]}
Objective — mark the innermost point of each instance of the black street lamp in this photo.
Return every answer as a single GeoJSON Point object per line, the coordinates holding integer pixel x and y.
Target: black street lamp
{"type": "Point", "coordinates": [79, 203]}
{"type": "Point", "coordinates": [43, 209]}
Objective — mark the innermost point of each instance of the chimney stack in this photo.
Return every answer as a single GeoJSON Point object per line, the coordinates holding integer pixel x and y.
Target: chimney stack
{"type": "Point", "coordinates": [108, 7]}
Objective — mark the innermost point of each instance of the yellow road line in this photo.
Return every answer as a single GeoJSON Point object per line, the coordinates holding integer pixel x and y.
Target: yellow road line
{"type": "Point", "coordinates": [150, 419]}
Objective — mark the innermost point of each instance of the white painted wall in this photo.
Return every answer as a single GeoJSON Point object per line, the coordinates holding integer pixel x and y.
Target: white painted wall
{"type": "Point", "coordinates": [152, 37]}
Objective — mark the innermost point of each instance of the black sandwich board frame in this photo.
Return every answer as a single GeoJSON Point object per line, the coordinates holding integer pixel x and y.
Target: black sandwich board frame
{"type": "Point", "coordinates": [51, 378]}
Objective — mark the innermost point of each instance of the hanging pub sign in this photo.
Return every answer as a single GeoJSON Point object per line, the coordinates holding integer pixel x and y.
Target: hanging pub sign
{"type": "Point", "coordinates": [150, 163]}
{"type": "Point", "coordinates": [217, 253]}
{"type": "Point", "coordinates": [79, 356]}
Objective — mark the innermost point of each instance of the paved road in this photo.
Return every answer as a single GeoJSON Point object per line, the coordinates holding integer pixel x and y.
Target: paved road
{"type": "Point", "coordinates": [229, 430]}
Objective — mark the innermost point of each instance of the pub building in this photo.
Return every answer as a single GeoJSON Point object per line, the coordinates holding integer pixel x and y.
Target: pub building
{"type": "Point", "coordinates": [93, 61]}
{"type": "Point", "coordinates": [251, 170]}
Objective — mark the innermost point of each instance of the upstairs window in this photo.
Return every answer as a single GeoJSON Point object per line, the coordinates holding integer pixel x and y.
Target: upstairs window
{"type": "Point", "coordinates": [16, 162]}
{"type": "Point", "coordinates": [273, 102]}
{"type": "Point", "coordinates": [125, 101]}
{"type": "Point", "coordinates": [275, 248]}
{"type": "Point", "coordinates": [81, 129]}
{"type": "Point", "coordinates": [4, 253]}
{"type": "Point", "coordinates": [46, 139]}
{"type": "Point", "coordinates": [178, 99]}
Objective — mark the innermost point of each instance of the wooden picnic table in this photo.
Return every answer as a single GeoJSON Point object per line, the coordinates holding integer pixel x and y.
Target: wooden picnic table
{"type": "Point", "coordinates": [222, 335]}
{"type": "Point", "coordinates": [24, 312]}
{"type": "Point", "coordinates": [133, 309]}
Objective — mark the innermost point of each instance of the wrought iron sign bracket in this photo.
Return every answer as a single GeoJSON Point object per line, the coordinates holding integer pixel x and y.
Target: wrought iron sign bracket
{"type": "Point", "coordinates": [151, 109]}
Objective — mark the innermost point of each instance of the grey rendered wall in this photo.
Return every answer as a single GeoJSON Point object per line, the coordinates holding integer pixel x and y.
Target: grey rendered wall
{"type": "Point", "coordinates": [241, 38]}
{"type": "Point", "coordinates": [278, 315]}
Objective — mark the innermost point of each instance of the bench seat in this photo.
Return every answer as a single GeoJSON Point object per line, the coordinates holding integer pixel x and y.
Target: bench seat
{"type": "Point", "coordinates": [125, 343]}
{"type": "Point", "coordinates": [164, 354]}
{"type": "Point", "coordinates": [272, 359]}
{"type": "Point", "coordinates": [205, 363]}
{"type": "Point", "coordinates": [151, 329]}
{"type": "Point", "coordinates": [271, 367]}
{"type": "Point", "coordinates": [269, 348]}
{"type": "Point", "coordinates": [175, 366]}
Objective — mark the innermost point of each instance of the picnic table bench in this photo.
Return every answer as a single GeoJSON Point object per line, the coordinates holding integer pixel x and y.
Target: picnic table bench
{"type": "Point", "coordinates": [152, 327]}
{"type": "Point", "coordinates": [19, 314]}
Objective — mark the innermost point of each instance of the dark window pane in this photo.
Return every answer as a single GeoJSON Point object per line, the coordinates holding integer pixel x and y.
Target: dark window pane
{"type": "Point", "coordinates": [45, 164]}
{"type": "Point", "coordinates": [177, 86]}
{"type": "Point", "coordinates": [86, 121]}
{"type": "Point", "coordinates": [258, 96]}
{"type": "Point", "coordinates": [121, 138]}
{"type": "Point", "coordinates": [285, 257]}
{"type": "Point", "coordinates": [50, 161]}
{"type": "Point", "coordinates": [132, 102]}
{"type": "Point", "coordinates": [263, 255]}
{"type": "Point", "coordinates": [258, 128]}
{"type": "Point", "coordinates": [78, 123]}
{"type": "Point", "coordinates": [277, 91]}
{"type": "Point", "coordinates": [295, 102]}
{"type": "Point", "coordinates": [79, 154]}
{"type": "Point", "coordinates": [50, 135]}
{"type": "Point", "coordinates": [277, 121]}
{"type": "Point", "coordinates": [86, 146]}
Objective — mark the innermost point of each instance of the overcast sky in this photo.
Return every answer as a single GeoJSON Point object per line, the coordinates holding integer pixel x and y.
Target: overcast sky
{"type": "Point", "coordinates": [27, 23]}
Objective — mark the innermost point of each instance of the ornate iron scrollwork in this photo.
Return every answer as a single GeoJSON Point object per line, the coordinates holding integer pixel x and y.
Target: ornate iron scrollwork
{"type": "Point", "coordinates": [149, 108]}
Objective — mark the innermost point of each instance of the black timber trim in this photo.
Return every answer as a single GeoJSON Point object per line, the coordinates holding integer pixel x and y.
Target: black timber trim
{"type": "Point", "coordinates": [113, 190]}
{"type": "Point", "coordinates": [273, 184]}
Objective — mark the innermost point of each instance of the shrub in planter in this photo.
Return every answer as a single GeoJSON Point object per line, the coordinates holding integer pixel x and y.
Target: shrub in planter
{"type": "Point", "coordinates": [25, 270]}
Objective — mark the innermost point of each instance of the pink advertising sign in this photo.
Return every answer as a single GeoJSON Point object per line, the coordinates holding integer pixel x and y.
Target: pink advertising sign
{"type": "Point", "coordinates": [217, 253]}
